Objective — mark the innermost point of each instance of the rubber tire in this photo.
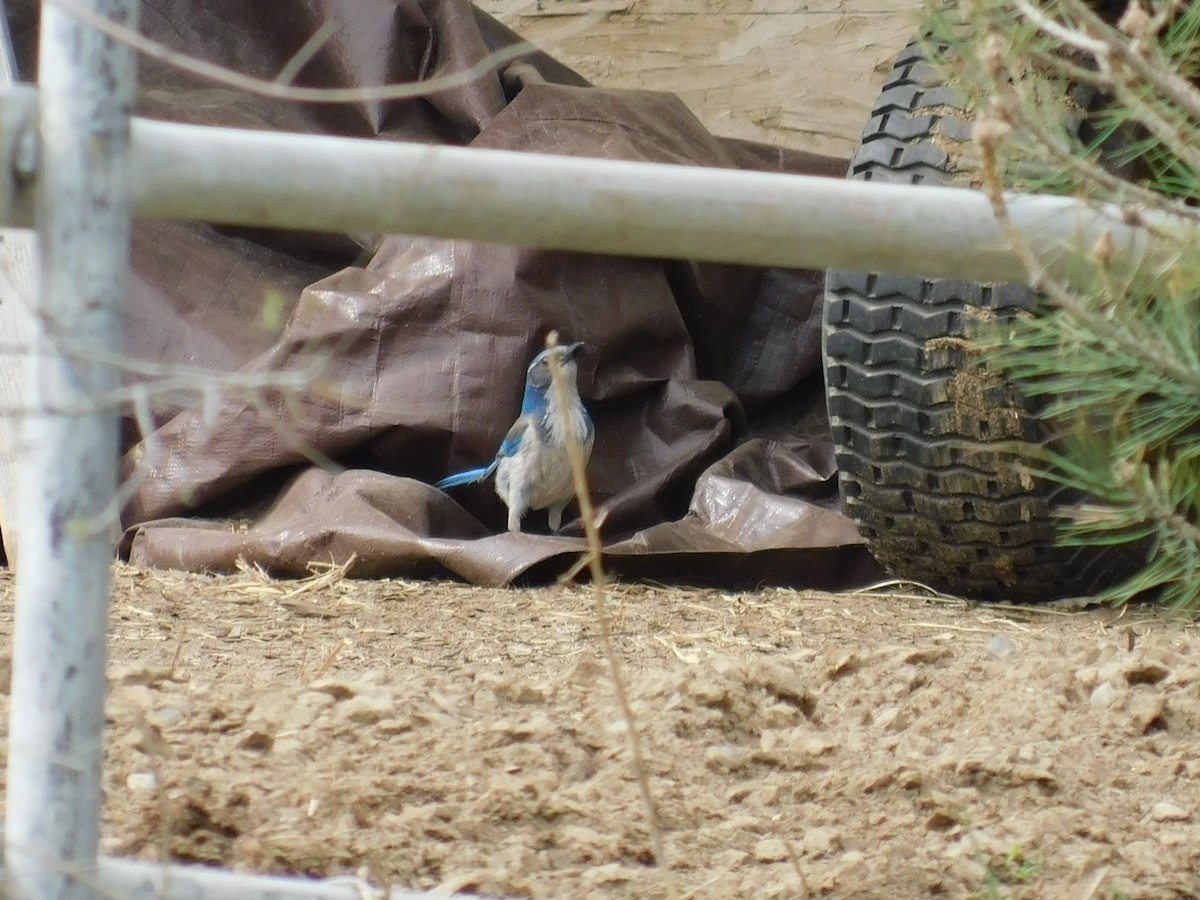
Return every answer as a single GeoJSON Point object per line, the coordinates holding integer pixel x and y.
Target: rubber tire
{"type": "Point", "coordinates": [922, 432]}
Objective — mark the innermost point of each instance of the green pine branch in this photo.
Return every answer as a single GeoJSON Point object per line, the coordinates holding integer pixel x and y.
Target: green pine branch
{"type": "Point", "coordinates": [1102, 111]}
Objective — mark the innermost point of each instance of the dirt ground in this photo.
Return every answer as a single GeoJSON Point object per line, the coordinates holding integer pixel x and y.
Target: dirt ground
{"type": "Point", "coordinates": [433, 735]}
{"type": "Point", "coordinates": [437, 736]}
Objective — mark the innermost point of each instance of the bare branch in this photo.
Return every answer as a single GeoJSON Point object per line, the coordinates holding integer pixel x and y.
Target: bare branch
{"type": "Point", "coordinates": [1106, 45]}
{"type": "Point", "coordinates": [1068, 36]}
{"type": "Point", "coordinates": [301, 57]}
{"type": "Point", "coordinates": [274, 88]}
{"type": "Point", "coordinates": [591, 527]}
{"type": "Point", "coordinates": [1150, 67]}
{"type": "Point", "coordinates": [1133, 340]}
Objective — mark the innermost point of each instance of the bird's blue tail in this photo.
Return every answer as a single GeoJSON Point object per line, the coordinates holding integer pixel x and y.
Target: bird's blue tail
{"type": "Point", "coordinates": [468, 477]}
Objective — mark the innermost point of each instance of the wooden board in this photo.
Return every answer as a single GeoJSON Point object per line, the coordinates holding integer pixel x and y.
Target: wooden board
{"type": "Point", "coordinates": [801, 75]}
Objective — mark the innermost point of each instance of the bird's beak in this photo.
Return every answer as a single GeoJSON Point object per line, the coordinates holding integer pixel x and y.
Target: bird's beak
{"type": "Point", "coordinates": [573, 350]}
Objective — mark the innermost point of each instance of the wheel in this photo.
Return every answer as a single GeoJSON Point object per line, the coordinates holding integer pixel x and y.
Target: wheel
{"type": "Point", "coordinates": [924, 432]}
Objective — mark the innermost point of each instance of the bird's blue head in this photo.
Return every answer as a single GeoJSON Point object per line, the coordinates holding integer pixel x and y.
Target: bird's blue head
{"type": "Point", "coordinates": [538, 379]}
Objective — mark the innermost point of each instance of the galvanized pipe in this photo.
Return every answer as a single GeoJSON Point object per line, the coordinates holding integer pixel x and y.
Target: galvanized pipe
{"type": "Point", "coordinates": [134, 880]}
{"type": "Point", "coordinates": [281, 180]}
{"type": "Point", "coordinates": [68, 481]}
{"type": "Point", "coordinates": [608, 206]}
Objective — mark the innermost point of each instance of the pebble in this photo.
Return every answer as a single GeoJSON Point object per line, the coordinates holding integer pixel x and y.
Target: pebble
{"type": "Point", "coordinates": [725, 758]}
{"type": "Point", "coordinates": [770, 850]}
{"type": "Point", "coordinates": [141, 781]}
{"type": "Point", "coordinates": [1001, 645]}
{"type": "Point", "coordinates": [1147, 712]}
{"type": "Point", "coordinates": [1165, 811]}
{"type": "Point", "coordinates": [892, 719]}
{"type": "Point", "coordinates": [852, 862]}
{"type": "Point", "coordinates": [367, 709]}
{"type": "Point", "coordinates": [337, 688]}
{"type": "Point", "coordinates": [164, 716]}
{"type": "Point", "coordinates": [1103, 695]}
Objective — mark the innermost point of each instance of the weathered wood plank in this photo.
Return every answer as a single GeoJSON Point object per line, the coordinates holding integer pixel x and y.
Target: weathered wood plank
{"type": "Point", "coordinates": [755, 69]}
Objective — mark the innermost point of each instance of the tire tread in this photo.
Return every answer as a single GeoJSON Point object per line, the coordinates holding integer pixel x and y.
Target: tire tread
{"type": "Point", "coordinates": [925, 438]}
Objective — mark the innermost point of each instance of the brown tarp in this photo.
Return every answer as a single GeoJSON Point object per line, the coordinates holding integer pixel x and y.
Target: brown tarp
{"type": "Point", "coordinates": [305, 389]}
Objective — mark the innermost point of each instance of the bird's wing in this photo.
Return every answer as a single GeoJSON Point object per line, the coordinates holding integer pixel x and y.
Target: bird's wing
{"type": "Point", "coordinates": [512, 440]}
{"type": "Point", "coordinates": [468, 477]}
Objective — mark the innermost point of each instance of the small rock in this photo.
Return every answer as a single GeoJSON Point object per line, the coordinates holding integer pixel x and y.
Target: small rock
{"type": "Point", "coordinates": [781, 715]}
{"type": "Point", "coordinates": [820, 841]}
{"type": "Point", "coordinates": [521, 692]}
{"type": "Point", "coordinates": [725, 758]}
{"type": "Point", "coordinates": [729, 859]}
{"type": "Point", "coordinates": [609, 873]}
{"type": "Point", "coordinates": [846, 664]}
{"type": "Point", "coordinates": [531, 728]}
{"type": "Point", "coordinates": [587, 671]}
{"type": "Point", "coordinates": [1103, 695]}
{"type": "Point", "coordinates": [708, 691]}
{"type": "Point", "coordinates": [367, 709]}
{"type": "Point", "coordinates": [258, 741]}
{"type": "Point", "coordinates": [288, 746]}
{"type": "Point", "coordinates": [851, 863]}
{"type": "Point", "coordinates": [770, 850]}
{"type": "Point", "coordinates": [141, 781]}
{"type": "Point", "coordinates": [966, 870]}
{"type": "Point", "coordinates": [337, 688]}
{"type": "Point", "coordinates": [926, 655]}
{"type": "Point", "coordinates": [1001, 645]}
{"type": "Point", "coordinates": [1165, 811]}
{"type": "Point", "coordinates": [457, 885]}
{"type": "Point", "coordinates": [163, 717]}
{"type": "Point", "coordinates": [398, 725]}
{"type": "Point", "coordinates": [740, 822]}
{"type": "Point", "coordinates": [940, 820]}
{"type": "Point", "coordinates": [581, 835]}
{"type": "Point", "coordinates": [1147, 712]}
{"type": "Point", "coordinates": [1146, 672]}
{"type": "Point", "coordinates": [892, 719]}
{"type": "Point", "coordinates": [140, 672]}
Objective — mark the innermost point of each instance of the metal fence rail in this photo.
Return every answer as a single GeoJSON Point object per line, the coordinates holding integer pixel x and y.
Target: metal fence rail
{"type": "Point", "coordinates": [68, 463]}
{"type": "Point", "coordinates": [270, 179]}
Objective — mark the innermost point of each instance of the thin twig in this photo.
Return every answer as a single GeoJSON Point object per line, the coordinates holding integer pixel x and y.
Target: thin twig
{"type": "Point", "coordinates": [794, 859]}
{"type": "Point", "coordinates": [307, 51]}
{"type": "Point", "coordinates": [273, 88]}
{"type": "Point", "coordinates": [1141, 346]}
{"type": "Point", "coordinates": [1177, 90]}
{"type": "Point", "coordinates": [599, 580]}
{"type": "Point", "coordinates": [1159, 507]}
{"type": "Point", "coordinates": [1117, 190]}
{"type": "Point", "coordinates": [1103, 45]}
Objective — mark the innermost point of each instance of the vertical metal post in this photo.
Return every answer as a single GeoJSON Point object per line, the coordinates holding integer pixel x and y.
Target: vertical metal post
{"type": "Point", "coordinates": [69, 446]}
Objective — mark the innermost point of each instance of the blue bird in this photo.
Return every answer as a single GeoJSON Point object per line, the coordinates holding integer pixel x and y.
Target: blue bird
{"type": "Point", "coordinates": [531, 467]}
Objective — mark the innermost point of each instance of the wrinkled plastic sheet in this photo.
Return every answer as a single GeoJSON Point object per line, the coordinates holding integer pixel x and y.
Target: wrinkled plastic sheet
{"type": "Point", "coordinates": [300, 392]}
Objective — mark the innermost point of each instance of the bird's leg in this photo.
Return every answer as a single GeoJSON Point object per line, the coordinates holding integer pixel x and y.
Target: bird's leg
{"type": "Point", "coordinates": [516, 512]}
{"type": "Point", "coordinates": [554, 515]}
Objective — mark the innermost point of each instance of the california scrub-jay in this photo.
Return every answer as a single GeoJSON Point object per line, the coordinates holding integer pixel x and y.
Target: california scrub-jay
{"type": "Point", "coordinates": [531, 467]}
